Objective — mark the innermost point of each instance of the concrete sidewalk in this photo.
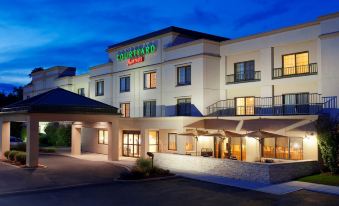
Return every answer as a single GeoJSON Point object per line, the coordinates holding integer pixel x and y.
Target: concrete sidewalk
{"type": "Point", "coordinates": [276, 189]}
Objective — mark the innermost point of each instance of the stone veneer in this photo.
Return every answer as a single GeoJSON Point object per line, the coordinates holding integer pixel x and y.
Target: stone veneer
{"type": "Point", "coordinates": [250, 171]}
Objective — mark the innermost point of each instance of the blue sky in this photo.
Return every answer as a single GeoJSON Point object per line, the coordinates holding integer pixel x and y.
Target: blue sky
{"type": "Point", "coordinates": [44, 33]}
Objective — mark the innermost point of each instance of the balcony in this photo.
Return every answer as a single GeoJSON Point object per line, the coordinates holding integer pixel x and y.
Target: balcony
{"type": "Point", "coordinates": [296, 71]}
{"type": "Point", "coordinates": [243, 77]}
{"type": "Point", "coordinates": [273, 106]}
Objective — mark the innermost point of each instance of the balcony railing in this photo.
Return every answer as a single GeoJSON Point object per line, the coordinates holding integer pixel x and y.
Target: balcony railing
{"type": "Point", "coordinates": [302, 70]}
{"type": "Point", "coordinates": [243, 77]}
{"type": "Point", "coordinates": [273, 106]}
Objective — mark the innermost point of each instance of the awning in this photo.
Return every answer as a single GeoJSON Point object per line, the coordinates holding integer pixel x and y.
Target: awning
{"type": "Point", "coordinates": [193, 133]}
{"type": "Point", "coordinates": [268, 124]}
{"type": "Point", "coordinates": [219, 124]}
{"type": "Point", "coordinates": [310, 127]}
{"type": "Point", "coordinates": [263, 134]}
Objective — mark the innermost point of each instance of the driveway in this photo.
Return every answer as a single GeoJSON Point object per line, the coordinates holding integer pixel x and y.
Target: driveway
{"type": "Point", "coordinates": [61, 171]}
{"type": "Point", "coordinates": [178, 191]}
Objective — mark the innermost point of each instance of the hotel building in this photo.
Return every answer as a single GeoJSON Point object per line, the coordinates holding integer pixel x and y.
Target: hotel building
{"type": "Point", "coordinates": [183, 94]}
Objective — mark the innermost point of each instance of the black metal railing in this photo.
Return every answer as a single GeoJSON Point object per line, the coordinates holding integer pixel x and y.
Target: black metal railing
{"type": "Point", "coordinates": [302, 70]}
{"type": "Point", "coordinates": [273, 106]}
{"type": "Point", "coordinates": [243, 77]}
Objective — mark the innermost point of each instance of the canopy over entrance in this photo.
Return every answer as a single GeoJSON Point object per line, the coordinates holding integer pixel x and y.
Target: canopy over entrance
{"type": "Point", "coordinates": [219, 124]}
{"type": "Point", "coordinates": [59, 105]}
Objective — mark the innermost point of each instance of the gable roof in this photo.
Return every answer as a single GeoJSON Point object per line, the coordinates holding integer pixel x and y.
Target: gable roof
{"type": "Point", "coordinates": [60, 101]}
{"type": "Point", "coordinates": [190, 33]}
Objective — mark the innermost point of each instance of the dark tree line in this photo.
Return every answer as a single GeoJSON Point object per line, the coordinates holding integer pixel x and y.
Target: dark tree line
{"type": "Point", "coordinates": [14, 96]}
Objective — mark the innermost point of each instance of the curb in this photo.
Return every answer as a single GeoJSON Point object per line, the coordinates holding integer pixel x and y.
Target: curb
{"type": "Point", "coordinates": [147, 179]}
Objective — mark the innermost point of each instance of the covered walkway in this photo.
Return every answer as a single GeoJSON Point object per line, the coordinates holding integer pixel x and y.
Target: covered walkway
{"type": "Point", "coordinates": [54, 106]}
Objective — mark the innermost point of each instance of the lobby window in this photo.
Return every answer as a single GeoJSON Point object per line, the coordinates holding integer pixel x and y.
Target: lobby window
{"type": "Point", "coordinates": [153, 141]}
{"type": "Point", "coordinates": [184, 107]}
{"type": "Point", "coordinates": [244, 105]}
{"type": "Point", "coordinates": [125, 109]}
{"type": "Point", "coordinates": [124, 84]}
{"type": "Point", "coordinates": [244, 71]}
{"type": "Point", "coordinates": [296, 148]}
{"type": "Point", "coordinates": [172, 141]}
{"type": "Point", "coordinates": [103, 136]}
{"type": "Point", "coordinates": [99, 88]}
{"type": "Point", "coordinates": [150, 80]}
{"type": "Point", "coordinates": [184, 75]}
{"type": "Point", "coordinates": [81, 91]}
{"type": "Point", "coordinates": [150, 108]}
{"type": "Point", "coordinates": [297, 63]}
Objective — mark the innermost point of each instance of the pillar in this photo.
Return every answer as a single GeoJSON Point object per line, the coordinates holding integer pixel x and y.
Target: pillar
{"type": "Point", "coordinates": [76, 140]}
{"type": "Point", "coordinates": [113, 140]}
{"type": "Point", "coordinates": [32, 145]}
{"type": "Point", "coordinates": [4, 137]}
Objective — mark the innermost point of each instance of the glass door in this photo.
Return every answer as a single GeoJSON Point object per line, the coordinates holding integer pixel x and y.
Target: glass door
{"type": "Point", "coordinates": [131, 144]}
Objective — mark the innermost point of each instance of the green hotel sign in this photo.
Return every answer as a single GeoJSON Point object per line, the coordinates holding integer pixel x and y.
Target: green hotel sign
{"type": "Point", "coordinates": [136, 52]}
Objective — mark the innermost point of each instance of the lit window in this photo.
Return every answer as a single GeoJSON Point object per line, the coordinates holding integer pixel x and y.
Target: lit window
{"type": "Point", "coordinates": [103, 136]}
{"type": "Point", "coordinates": [81, 91]}
{"type": "Point", "coordinates": [99, 88]}
{"type": "Point", "coordinates": [245, 106]}
{"type": "Point", "coordinates": [150, 80]}
{"type": "Point", "coordinates": [296, 148]}
{"type": "Point", "coordinates": [124, 84]}
{"type": "Point", "coordinates": [153, 141]}
{"type": "Point", "coordinates": [184, 75]}
{"type": "Point", "coordinates": [172, 141]}
{"type": "Point", "coordinates": [296, 63]}
{"type": "Point", "coordinates": [125, 109]}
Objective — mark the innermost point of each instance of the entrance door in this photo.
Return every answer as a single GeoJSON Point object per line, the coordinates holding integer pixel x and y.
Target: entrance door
{"type": "Point", "coordinates": [131, 143]}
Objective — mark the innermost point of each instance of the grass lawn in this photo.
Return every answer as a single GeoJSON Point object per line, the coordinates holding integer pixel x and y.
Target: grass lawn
{"type": "Point", "coordinates": [322, 178]}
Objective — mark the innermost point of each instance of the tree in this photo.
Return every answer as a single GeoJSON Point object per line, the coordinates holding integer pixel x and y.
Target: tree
{"type": "Point", "coordinates": [37, 69]}
{"type": "Point", "coordinates": [328, 141]}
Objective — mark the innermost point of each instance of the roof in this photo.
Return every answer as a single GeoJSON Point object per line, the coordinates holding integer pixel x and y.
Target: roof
{"type": "Point", "coordinates": [193, 34]}
{"type": "Point", "coordinates": [60, 101]}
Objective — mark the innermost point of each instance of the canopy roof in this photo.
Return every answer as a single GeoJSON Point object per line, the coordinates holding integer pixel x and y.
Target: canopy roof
{"type": "Point", "coordinates": [268, 124]}
{"type": "Point", "coordinates": [263, 134]}
{"type": "Point", "coordinates": [221, 124]}
{"type": "Point", "coordinates": [60, 101]}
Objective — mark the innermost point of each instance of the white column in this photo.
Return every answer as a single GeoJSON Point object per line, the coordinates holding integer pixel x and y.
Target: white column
{"type": "Point", "coordinates": [32, 145]}
{"type": "Point", "coordinates": [113, 140]}
{"type": "Point", "coordinates": [4, 137]}
{"type": "Point", "coordinates": [76, 139]}
{"type": "Point", "coordinates": [144, 142]}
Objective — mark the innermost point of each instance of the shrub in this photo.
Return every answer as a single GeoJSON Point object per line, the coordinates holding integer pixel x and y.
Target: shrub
{"type": "Point", "coordinates": [144, 164]}
{"type": "Point", "coordinates": [6, 154]}
{"type": "Point", "coordinates": [21, 158]}
{"type": "Point", "coordinates": [19, 147]}
{"type": "Point", "coordinates": [156, 171]}
{"type": "Point", "coordinates": [12, 154]}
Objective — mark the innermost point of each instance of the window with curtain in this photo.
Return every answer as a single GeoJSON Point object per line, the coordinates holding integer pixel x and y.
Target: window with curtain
{"type": "Point", "coordinates": [245, 105]}
{"type": "Point", "coordinates": [184, 107]}
{"type": "Point", "coordinates": [102, 136]}
{"type": "Point", "coordinates": [297, 63]}
{"type": "Point", "coordinates": [81, 91]}
{"type": "Point", "coordinates": [244, 71]}
{"type": "Point", "coordinates": [124, 84]}
{"type": "Point", "coordinates": [153, 141]}
{"type": "Point", "coordinates": [269, 148]}
{"type": "Point", "coordinates": [99, 88]}
{"type": "Point", "coordinates": [125, 109]}
{"type": "Point", "coordinates": [150, 108]}
{"type": "Point", "coordinates": [184, 75]}
{"type": "Point", "coordinates": [172, 141]}
{"type": "Point", "coordinates": [150, 80]}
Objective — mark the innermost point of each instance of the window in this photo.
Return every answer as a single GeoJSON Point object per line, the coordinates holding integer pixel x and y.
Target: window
{"type": "Point", "coordinates": [172, 141]}
{"type": "Point", "coordinates": [296, 148]}
{"type": "Point", "coordinates": [131, 144]}
{"type": "Point", "coordinates": [184, 75]}
{"type": "Point", "coordinates": [244, 106]}
{"type": "Point", "coordinates": [184, 107]}
{"type": "Point", "coordinates": [99, 88]}
{"type": "Point", "coordinates": [150, 80]}
{"type": "Point", "coordinates": [296, 103]}
{"type": "Point", "coordinates": [238, 148]}
{"type": "Point", "coordinates": [103, 136]}
{"type": "Point", "coordinates": [81, 91]}
{"type": "Point", "coordinates": [269, 148]}
{"type": "Point", "coordinates": [149, 108]}
{"type": "Point", "coordinates": [125, 109]}
{"type": "Point", "coordinates": [124, 84]}
{"type": "Point", "coordinates": [244, 71]}
{"type": "Point", "coordinates": [153, 141]}
{"type": "Point", "coordinates": [295, 63]}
